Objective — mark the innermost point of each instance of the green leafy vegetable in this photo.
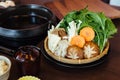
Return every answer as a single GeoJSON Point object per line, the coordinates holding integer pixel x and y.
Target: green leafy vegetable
{"type": "Point", "coordinates": [102, 25]}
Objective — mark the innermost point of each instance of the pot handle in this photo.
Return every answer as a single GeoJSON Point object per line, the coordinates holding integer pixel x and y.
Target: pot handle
{"type": "Point", "coordinates": [7, 51]}
{"type": "Point", "coordinates": [54, 22]}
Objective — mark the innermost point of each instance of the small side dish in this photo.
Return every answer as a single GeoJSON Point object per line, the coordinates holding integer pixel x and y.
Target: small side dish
{"type": "Point", "coordinates": [80, 37]}
{"type": "Point", "coordinates": [5, 66]}
{"type": "Point", "coordinates": [28, 78]}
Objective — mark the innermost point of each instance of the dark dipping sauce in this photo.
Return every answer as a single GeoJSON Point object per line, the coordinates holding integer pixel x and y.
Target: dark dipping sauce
{"type": "Point", "coordinates": [24, 21]}
{"type": "Point", "coordinates": [29, 60]}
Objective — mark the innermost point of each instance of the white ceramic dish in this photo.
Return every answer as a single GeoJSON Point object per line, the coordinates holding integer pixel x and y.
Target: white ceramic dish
{"type": "Point", "coordinates": [5, 76]}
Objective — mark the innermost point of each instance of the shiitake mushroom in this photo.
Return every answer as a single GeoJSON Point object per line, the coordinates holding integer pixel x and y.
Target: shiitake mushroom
{"type": "Point", "coordinates": [91, 49]}
{"type": "Point", "coordinates": [74, 52]}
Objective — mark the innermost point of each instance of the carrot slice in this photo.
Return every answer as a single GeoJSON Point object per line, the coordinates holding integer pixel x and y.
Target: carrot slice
{"type": "Point", "coordinates": [78, 41]}
{"type": "Point", "coordinates": [88, 33]}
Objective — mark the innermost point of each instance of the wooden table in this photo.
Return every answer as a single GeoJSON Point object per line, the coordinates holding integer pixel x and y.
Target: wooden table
{"type": "Point", "coordinates": [108, 70]}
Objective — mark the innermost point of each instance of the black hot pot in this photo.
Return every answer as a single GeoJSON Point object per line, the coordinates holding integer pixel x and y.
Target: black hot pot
{"type": "Point", "coordinates": [23, 23]}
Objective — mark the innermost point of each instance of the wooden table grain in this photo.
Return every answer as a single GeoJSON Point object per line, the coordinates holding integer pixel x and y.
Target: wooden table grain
{"type": "Point", "coordinates": [108, 70]}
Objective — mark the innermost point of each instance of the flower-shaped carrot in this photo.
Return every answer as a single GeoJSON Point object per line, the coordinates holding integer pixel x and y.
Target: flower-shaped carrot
{"type": "Point", "coordinates": [88, 33]}
{"type": "Point", "coordinates": [78, 41]}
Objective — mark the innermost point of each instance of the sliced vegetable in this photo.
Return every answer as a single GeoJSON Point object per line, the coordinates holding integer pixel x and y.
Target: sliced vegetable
{"type": "Point", "coordinates": [78, 41]}
{"type": "Point", "coordinates": [88, 33]}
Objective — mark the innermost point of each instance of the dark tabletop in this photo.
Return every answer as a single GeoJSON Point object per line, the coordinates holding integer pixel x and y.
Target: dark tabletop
{"type": "Point", "coordinates": [108, 70]}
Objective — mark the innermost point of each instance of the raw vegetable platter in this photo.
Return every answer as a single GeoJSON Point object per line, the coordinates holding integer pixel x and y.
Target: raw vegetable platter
{"type": "Point", "coordinates": [81, 38]}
